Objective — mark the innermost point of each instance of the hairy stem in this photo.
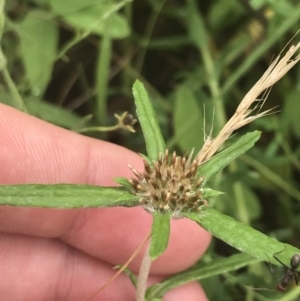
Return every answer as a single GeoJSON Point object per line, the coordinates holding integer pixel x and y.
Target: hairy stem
{"type": "Point", "coordinates": [143, 275]}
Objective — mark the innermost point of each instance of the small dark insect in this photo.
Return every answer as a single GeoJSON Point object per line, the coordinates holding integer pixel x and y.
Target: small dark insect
{"type": "Point", "coordinates": [291, 272]}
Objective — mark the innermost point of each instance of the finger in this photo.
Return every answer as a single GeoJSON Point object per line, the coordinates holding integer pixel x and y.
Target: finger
{"type": "Point", "coordinates": [60, 272]}
{"type": "Point", "coordinates": [34, 151]}
{"type": "Point", "coordinates": [53, 155]}
{"type": "Point", "coordinates": [43, 269]}
{"type": "Point", "coordinates": [191, 291]}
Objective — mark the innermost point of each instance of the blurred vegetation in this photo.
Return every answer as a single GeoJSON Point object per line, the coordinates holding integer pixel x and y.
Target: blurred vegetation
{"type": "Point", "coordinates": [65, 60]}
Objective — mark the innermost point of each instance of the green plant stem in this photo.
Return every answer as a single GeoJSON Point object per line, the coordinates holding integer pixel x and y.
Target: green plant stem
{"type": "Point", "coordinates": [2, 17]}
{"type": "Point", "coordinates": [143, 275]}
{"type": "Point", "coordinates": [200, 38]}
{"type": "Point", "coordinates": [201, 41]}
{"type": "Point", "coordinates": [99, 129]}
{"type": "Point", "coordinates": [79, 36]}
{"type": "Point", "coordinates": [16, 97]}
{"type": "Point", "coordinates": [102, 78]}
{"type": "Point", "coordinates": [126, 45]}
{"type": "Point", "coordinates": [148, 32]}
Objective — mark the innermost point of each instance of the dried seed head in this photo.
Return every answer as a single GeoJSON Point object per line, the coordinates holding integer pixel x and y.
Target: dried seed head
{"type": "Point", "coordinates": [169, 185]}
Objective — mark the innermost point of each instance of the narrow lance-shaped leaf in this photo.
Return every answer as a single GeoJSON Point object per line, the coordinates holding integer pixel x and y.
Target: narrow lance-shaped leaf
{"type": "Point", "coordinates": [242, 237]}
{"type": "Point", "coordinates": [65, 196]}
{"type": "Point", "coordinates": [123, 182]}
{"type": "Point", "coordinates": [218, 162]}
{"type": "Point", "coordinates": [159, 234]}
{"type": "Point", "coordinates": [208, 193]}
{"type": "Point", "coordinates": [154, 140]}
{"type": "Point", "coordinates": [200, 271]}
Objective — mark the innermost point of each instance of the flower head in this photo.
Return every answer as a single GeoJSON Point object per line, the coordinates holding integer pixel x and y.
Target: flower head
{"type": "Point", "coordinates": [126, 121]}
{"type": "Point", "coordinates": [169, 185]}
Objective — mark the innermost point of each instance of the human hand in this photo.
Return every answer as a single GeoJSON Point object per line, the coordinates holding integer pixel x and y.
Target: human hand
{"type": "Point", "coordinates": [60, 254]}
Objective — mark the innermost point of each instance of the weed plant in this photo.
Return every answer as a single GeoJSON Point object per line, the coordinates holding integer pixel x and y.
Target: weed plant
{"type": "Point", "coordinates": [73, 63]}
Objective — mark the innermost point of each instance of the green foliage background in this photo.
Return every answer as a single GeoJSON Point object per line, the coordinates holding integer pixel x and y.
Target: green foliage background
{"type": "Point", "coordinates": [197, 59]}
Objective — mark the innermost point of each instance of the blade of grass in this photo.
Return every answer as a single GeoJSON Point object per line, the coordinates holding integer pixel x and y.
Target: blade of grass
{"type": "Point", "coordinates": [272, 176]}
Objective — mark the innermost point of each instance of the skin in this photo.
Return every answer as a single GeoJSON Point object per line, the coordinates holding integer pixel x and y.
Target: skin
{"type": "Point", "coordinates": [58, 254]}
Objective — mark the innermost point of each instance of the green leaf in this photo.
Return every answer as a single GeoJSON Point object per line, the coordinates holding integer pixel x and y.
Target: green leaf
{"type": "Point", "coordinates": [45, 110]}
{"type": "Point", "coordinates": [218, 162]}
{"type": "Point", "coordinates": [52, 113]}
{"type": "Point", "coordinates": [159, 234]}
{"type": "Point", "coordinates": [241, 201]}
{"type": "Point", "coordinates": [154, 140]}
{"type": "Point", "coordinates": [65, 196]}
{"type": "Point", "coordinates": [188, 119]}
{"type": "Point", "coordinates": [82, 123]}
{"type": "Point", "coordinates": [242, 237]}
{"type": "Point", "coordinates": [124, 182]}
{"type": "Point", "coordinates": [200, 271]}
{"type": "Point", "coordinates": [208, 192]}
{"type": "Point", "coordinates": [39, 49]}
{"type": "Point", "coordinates": [71, 6]}
{"type": "Point", "coordinates": [94, 18]}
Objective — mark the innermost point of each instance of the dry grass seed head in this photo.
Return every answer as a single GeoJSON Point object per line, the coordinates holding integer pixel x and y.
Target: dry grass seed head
{"type": "Point", "coordinates": [275, 72]}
